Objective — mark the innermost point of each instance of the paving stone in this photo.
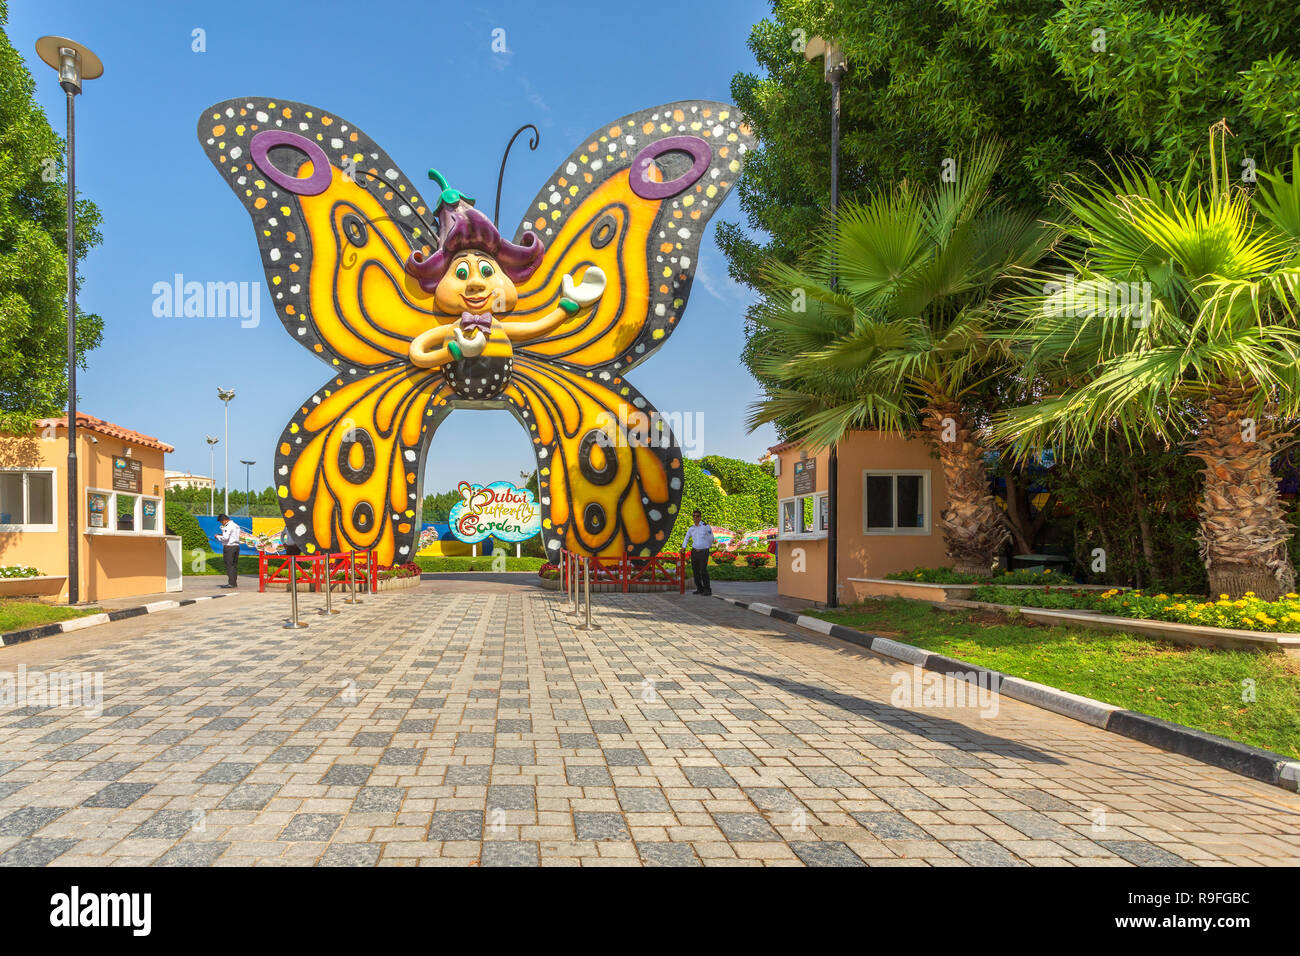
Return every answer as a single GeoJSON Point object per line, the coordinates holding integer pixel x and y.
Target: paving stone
{"type": "Point", "coordinates": [351, 854]}
{"type": "Point", "coordinates": [668, 854]}
{"type": "Point", "coordinates": [250, 796]}
{"type": "Point", "coordinates": [511, 797]}
{"type": "Point", "coordinates": [308, 827]}
{"type": "Point", "coordinates": [193, 854]}
{"type": "Point", "coordinates": [709, 777]}
{"type": "Point", "coordinates": [595, 825]}
{"type": "Point", "coordinates": [295, 753]}
{"type": "Point", "coordinates": [626, 757]}
{"type": "Point", "coordinates": [347, 775]}
{"type": "Point", "coordinates": [371, 738]}
{"type": "Point", "coordinates": [468, 776]}
{"type": "Point", "coordinates": [887, 825]}
{"type": "Point", "coordinates": [827, 853]}
{"type": "Point", "coordinates": [379, 800]}
{"type": "Point", "coordinates": [642, 800]}
{"type": "Point", "coordinates": [165, 825]}
{"type": "Point", "coordinates": [227, 772]}
{"type": "Point", "coordinates": [984, 853]}
{"type": "Point", "coordinates": [456, 825]}
{"type": "Point", "coordinates": [745, 827]}
{"type": "Point", "coordinates": [108, 771]}
{"type": "Point", "coordinates": [37, 851]}
{"type": "Point", "coordinates": [509, 853]}
{"type": "Point", "coordinates": [1141, 853]}
{"type": "Point", "coordinates": [119, 795]}
{"type": "Point", "coordinates": [588, 776]}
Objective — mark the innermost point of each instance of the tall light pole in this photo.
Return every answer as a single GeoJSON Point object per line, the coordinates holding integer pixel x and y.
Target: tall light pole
{"type": "Point", "coordinates": [74, 63]}
{"type": "Point", "coordinates": [834, 66]}
{"type": "Point", "coordinates": [248, 486]}
{"type": "Point", "coordinates": [226, 394]}
{"type": "Point", "coordinates": [212, 490]}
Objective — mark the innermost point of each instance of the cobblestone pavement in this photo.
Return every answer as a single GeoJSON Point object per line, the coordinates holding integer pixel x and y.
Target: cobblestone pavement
{"type": "Point", "coordinates": [458, 726]}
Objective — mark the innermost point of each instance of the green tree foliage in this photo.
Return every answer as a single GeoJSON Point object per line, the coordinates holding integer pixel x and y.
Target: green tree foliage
{"type": "Point", "coordinates": [928, 78]}
{"type": "Point", "coordinates": [1150, 541]}
{"type": "Point", "coordinates": [437, 508]}
{"type": "Point", "coordinates": [33, 264]}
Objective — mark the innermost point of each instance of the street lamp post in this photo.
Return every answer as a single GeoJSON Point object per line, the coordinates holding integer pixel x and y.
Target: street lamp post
{"type": "Point", "coordinates": [226, 394]}
{"type": "Point", "coordinates": [212, 489]}
{"type": "Point", "coordinates": [834, 67]}
{"type": "Point", "coordinates": [248, 486]}
{"type": "Point", "coordinates": [74, 63]}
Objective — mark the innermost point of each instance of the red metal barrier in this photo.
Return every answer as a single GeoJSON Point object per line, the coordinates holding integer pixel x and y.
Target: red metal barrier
{"type": "Point", "coordinates": [315, 569]}
{"type": "Point", "coordinates": [664, 569]}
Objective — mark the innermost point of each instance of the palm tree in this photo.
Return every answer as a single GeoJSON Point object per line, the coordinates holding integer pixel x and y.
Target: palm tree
{"type": "Point", "coordinates": [884, 325]}
{"type": "Point", "coordinates": [1177, 325]}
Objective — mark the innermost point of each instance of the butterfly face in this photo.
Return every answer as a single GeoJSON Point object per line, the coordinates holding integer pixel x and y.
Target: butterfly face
{"type": "Point", "coordinates": [475, 283]}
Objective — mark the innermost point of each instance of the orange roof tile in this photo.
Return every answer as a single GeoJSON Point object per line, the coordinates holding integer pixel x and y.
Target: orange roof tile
{"type": "Point", "coordinates": [98, 425]}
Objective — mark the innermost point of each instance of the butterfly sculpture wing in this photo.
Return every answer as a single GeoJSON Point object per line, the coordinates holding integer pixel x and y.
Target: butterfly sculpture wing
{"type": "Point", "coordinates": [632, 200]}
{"type": "Point", "coordinates": [335, 220]}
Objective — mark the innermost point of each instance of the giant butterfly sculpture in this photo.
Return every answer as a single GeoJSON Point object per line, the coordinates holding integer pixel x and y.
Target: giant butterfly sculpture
{"type": "Point", "coordinates": [419, 306]}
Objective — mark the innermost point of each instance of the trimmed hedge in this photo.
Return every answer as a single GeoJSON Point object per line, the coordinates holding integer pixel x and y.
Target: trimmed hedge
{"type": "Point", "coordinates": [179, 521]}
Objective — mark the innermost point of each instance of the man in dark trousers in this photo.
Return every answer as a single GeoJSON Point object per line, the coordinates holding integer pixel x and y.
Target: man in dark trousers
{"type": "Point", "coordinates": [699, 538]}
{"type": "Point", "coordinates": [228, 535]}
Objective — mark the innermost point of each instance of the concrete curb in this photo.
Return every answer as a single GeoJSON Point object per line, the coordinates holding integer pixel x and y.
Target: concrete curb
{"type": "Point", "coordinates": [1253, 762]}
{"type": "Point", "coordinates": [90, 620]}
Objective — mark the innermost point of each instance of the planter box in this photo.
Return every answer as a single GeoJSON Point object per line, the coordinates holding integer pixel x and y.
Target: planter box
{"type": "Point", "coordinates": [45, 586]}
{"type": "Point", "coordinates": [396, 584]}
{"type": "Point", "coordinates": [940, 593]}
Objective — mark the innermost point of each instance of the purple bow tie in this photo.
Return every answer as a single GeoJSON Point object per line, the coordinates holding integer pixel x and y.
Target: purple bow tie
{"type": "Point", "coordinates": [469, 322]}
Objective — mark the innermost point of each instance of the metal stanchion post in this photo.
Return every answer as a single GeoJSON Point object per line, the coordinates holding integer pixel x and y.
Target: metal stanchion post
{"type": "Point", "coordinates": [352, 580]}
{"type": "Point", "coordinates": [586, 576]}
{"type": "Point", "coordinates": [293, 622]}
{"type": "Point", "coordinates": [329, 606]}
{"type": "Point", "coordinates": [576, 590]}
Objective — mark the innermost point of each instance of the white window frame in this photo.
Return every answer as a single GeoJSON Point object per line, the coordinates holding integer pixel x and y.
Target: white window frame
{"type": "Point", "coordinates": [926, 501]}
{"type": "Point", "coordinates": [803, 534]}
{"type": "Point", "coordinates": [54, 500]}
{"type": "Point", "coordinates": [137, 514]}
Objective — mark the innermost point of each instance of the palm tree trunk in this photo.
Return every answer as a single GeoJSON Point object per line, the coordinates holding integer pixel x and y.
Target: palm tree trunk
{"type": "Point", "coordinates": [973, 530]}
{"type": "Point", "coordinates": [1243, 535]}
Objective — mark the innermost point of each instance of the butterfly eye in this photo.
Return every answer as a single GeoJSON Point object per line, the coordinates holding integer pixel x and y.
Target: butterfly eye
{"type": "Point", "coordinates": [462, 271]}
{"type": "Point", "coordinates": [485, 270]}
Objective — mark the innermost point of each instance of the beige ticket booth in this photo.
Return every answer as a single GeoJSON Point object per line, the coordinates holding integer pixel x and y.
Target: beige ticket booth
{"type": "Point", "coordinates": [122, 543]}
{"type": "Point", "coordinates": [890, 490]}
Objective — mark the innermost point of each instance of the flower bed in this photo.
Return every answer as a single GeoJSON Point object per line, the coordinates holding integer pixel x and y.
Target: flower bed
{"type": "Point", "coordinates": [1249, 613]}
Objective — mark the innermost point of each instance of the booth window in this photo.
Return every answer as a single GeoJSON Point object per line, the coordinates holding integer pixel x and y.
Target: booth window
{"type": "Point", "coordinates": [27, 500]}
{"type": "Point", "coordinates": [896, 502]}
{"type": "Point", "coordinates": [804, 517]}
{"type": "Point", "coordinates": [121, 513]}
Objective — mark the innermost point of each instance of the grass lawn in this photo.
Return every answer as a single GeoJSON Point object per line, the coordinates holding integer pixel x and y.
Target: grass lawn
{"type": "Point", "coordinates": [17, 615]}
{"type": "Point", "coordinates": [1197, 687]}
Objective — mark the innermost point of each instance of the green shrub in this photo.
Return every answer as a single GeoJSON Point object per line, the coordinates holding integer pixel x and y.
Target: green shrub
{"type": "Point", "coordinates": [468, 563]}
{"type": "Point", "coordinates": [19, 571]}
{"type": "Point", "coordinates": [179, 521]}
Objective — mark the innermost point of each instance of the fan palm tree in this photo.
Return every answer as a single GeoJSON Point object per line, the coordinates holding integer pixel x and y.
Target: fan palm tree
{"type": "Point", "coordinates": [1177, 324]}
{"type": "Point", "coordinates": [884, 325]}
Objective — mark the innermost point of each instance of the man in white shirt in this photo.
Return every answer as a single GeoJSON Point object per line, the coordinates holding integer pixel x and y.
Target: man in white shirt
{"type": "Point", "coordinates": [699, 538]}
{"type": "Point", "coordinates": [228, 536]}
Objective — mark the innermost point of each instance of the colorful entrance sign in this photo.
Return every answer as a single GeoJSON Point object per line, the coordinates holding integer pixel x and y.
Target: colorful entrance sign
{"type": "Point", "coordinates": [499, 510]}
{"type": "Point", "coordinates": [419, 306]}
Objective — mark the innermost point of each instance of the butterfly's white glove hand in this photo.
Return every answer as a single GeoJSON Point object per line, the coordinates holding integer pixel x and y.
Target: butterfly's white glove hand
{"type": "Point", "coordinates": [591, 289]}
{"type": "Point", "coordinates": [469, 347]}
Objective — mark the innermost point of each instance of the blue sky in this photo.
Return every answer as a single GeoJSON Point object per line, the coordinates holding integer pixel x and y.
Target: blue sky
{"type": "Point", "coordinates": [424, 82]}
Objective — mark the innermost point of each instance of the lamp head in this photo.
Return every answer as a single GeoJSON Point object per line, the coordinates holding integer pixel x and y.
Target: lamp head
{"type": "Point", "coordinates": [73, 61]}
{"type": "Point", "coordinates": [225, 394]}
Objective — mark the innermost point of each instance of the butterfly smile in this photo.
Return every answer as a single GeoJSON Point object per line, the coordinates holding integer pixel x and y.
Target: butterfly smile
{"type": "Point", "coordinates": [419, 306]}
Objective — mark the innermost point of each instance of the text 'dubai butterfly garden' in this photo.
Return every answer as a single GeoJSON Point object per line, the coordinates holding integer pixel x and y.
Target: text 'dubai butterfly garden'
{"type": "Point", "coordinates": [420, 306]}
